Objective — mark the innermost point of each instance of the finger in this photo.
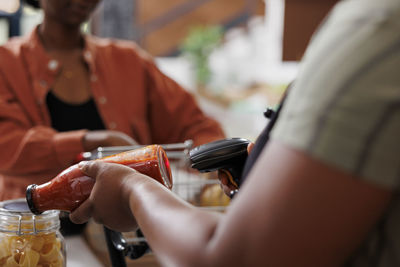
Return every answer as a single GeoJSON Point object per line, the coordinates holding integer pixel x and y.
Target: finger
{"type": "Point", "coordinates": [250, 147]}
{"type": "Point", "coordinates": [226, 186]}
{"type": "Point", "coordinates": [223, 177]}
{"type": "Point", "coordinates": [227, 191]}
{"type": "Point", "coordinates": [83, 213]}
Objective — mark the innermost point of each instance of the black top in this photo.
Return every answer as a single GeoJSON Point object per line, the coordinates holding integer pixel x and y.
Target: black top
{"type": "Point", "coordinates": [69, 117]}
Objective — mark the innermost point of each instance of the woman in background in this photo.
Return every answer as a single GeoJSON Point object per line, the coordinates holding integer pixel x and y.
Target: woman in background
{"type": "Point", "coordinates": [63, 92]}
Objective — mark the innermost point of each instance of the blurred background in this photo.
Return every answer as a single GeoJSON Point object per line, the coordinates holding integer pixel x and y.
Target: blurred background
{"type": "Point", "coordinates": [236, 56]}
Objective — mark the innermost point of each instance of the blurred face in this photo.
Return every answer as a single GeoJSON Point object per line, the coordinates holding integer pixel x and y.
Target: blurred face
{"type": "Point", "coordinates": [68, 12]}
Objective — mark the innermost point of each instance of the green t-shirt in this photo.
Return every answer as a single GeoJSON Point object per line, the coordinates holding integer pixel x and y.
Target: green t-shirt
{"type": "Point", "coordinates": [344, 108]}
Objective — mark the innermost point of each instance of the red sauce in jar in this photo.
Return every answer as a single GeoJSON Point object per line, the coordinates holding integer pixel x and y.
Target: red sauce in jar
{"type": "Point", "coordinates": [71, 187]}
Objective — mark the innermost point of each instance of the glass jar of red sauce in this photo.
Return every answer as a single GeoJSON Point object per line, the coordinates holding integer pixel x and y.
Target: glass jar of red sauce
{"type": "Point", "coordinates": [71, 187]}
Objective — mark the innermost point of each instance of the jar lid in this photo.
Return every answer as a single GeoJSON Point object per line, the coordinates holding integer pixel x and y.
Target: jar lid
{"type": "Point", "coordinates": [16, 218]}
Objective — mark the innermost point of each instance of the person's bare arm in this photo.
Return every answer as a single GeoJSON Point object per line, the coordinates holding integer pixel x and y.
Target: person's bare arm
{"type": "Point", "coordinates": [291, 211]}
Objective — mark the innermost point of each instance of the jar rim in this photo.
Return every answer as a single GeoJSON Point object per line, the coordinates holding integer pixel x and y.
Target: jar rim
{"type": "Point", "coordinates": [21, 222]}
{"type": "Point", "coordinates": [164, 166]}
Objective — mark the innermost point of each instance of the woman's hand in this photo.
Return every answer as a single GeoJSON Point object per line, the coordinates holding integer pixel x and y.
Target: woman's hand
{"type": "Point", "coordinates": [95, 139]}
{"type": "Point", "coordinates": [226, 185]}
{"type": "Point", "coordinates": [108, 202]}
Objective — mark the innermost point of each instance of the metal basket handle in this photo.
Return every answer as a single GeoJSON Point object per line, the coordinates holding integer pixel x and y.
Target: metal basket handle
{"type": "Point", "coordinates": [118, 248]}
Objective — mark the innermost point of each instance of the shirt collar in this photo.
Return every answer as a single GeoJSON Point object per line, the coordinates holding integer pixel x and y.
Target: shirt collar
{"type": "Point", "coordinates": [42, 65]}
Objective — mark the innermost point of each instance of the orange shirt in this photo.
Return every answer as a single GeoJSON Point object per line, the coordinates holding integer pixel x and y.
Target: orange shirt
{"type": "Point", "coordinates": [131, 94]}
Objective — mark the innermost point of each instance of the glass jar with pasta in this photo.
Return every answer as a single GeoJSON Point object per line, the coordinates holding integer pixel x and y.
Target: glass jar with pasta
{"type": "Point", "coordinates": [27, 239]}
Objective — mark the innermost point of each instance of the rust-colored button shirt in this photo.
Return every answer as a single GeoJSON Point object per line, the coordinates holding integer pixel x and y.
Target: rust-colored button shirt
{"type": "Point", "coordinates": [130, 92]}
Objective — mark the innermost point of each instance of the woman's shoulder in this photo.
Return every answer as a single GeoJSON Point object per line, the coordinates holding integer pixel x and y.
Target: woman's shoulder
{"type": "Point", "coordinates": [13, 46]}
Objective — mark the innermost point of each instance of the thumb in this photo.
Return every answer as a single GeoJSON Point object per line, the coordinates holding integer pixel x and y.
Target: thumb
{"type": "Point", "coordinates": [90, 168]}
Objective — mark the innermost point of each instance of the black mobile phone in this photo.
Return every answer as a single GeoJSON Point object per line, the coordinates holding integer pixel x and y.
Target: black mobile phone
{"type": "Point", "coordinates": [228, 155]}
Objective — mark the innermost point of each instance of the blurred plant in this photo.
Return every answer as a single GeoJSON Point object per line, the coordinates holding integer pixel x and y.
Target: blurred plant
{"type": "Point", "coordinates": [198, 45]}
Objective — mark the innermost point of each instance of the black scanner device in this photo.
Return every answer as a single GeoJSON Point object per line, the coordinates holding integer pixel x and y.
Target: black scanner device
{"type": "Point", "coordinates": [227, 155]}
